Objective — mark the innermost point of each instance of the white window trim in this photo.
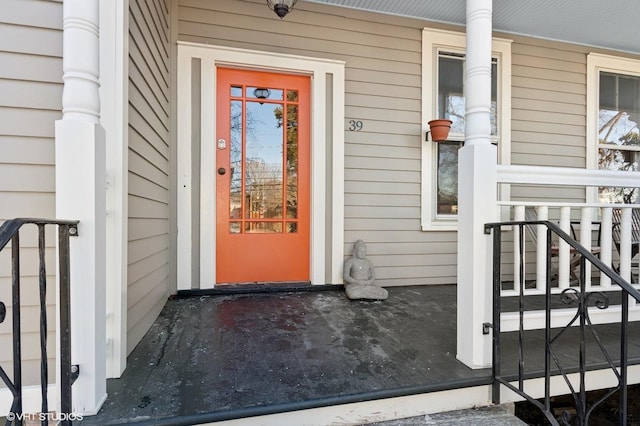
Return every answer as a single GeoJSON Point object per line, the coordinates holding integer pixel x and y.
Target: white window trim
{"type": "Point", "coordinates": [327, 227]}
{"type": "Point", "coordinates": [432, 40]}
{"type": "Point", "coordinates": [596, 63]}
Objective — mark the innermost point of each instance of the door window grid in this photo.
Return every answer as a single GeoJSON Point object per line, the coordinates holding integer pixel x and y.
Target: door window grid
{"type": "Point", "coordinates": [258, 152]}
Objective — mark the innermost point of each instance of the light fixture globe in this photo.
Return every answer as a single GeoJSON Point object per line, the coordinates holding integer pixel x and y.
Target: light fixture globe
{"type": "Point", "coordinates": [281, 7]}
{"type": "Point", "coordinates": [261, 93]}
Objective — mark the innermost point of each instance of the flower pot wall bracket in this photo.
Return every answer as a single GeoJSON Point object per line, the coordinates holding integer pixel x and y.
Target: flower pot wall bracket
{"type": "Point", "coordinates": [439, 130]}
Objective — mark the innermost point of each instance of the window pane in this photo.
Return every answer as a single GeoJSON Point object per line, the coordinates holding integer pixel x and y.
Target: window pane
{"type": "Point", "coordinates": [447, 198]}
{"type": "Point", "coordinates": [264, 175]}
{"type": "Point", "coordinates": [607, 91]}
{"type": "Point", "coordinates": [618, 118]}
{"type": "Point", "coordinates": [619, 111]}
{"type": "Point", "coordinates": [235, 189]}
{"type": "Point", "coordinates": [292, 227]}
{"type": "Point", "coordinates": [236, 91]}
{"type": "Point", "coordinates": [451, 91]}
{"type": "Point", "coordinates": [494, 97]}
{"type": "Point", "coordinates": [616, 159]}
{"type": "Point", "coordinates": [292, 161]}
{"type": "Point", "coordinates": [451, 103]}
{"type": "Point", "coordinates": [628, 95]}
{"type": "Point", "coordinates": [265, 93]}
{"type": "Point", "coordinates": [263, 227]}
{"type": "Point", "coordinates": [292, 95]}
{"type": "Point", "coordinates": [234, 227]}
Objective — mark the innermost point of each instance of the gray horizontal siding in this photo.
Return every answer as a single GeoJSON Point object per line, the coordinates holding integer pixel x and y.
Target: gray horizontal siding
{"type": "Point", "coordinates": [30, 356]}
{"type": "Point", "coordinates": [30, 102]}
{"type": "Point", "coordinates": [148, 159]}
{"type": "Point", "coordinates": [548, 112]}
{"type": "Point", "coordinates": [548, 103]}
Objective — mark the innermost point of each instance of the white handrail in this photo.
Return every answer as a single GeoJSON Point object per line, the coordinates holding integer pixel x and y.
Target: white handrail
{"type": "Point", "coordinates": [538, 175]}
{"type": "Point", "coordinates": [564, 204]}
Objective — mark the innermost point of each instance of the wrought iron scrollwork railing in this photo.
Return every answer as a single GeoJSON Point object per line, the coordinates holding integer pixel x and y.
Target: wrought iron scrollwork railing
{"type": "Point", "coordinates": [578, 296]}
{"type": "Point", "coordinates": [10, 233]}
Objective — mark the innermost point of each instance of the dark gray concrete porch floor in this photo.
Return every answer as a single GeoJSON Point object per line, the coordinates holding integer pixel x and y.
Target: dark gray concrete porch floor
{"type": "Point", "coordinates": [221, 354]}
{"type": "Point", "coordinates": [218, 353]}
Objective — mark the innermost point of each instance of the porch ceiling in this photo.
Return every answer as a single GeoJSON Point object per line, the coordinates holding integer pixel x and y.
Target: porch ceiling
{"type": "Point", "coordinates": [610, 24]}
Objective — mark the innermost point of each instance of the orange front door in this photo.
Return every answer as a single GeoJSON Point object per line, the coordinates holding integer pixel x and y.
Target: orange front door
{"type": "Point", "coordinates": [262, 177]}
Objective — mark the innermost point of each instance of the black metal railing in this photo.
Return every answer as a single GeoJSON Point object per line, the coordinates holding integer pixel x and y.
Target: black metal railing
{"type": "Point", "coordinates": [578, 294]}
{"type": "Point", "coordinates": [10, 233]}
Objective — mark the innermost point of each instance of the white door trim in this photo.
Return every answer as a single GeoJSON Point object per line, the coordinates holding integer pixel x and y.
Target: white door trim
{"type": "Point", "coordinates": [327, 165]}
{"type": "Point", "coordinates": [114, 117]}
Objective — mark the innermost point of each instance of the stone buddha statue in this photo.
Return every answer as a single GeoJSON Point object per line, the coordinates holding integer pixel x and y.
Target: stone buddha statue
{"type": "Point", "coordinates": [359, 276]}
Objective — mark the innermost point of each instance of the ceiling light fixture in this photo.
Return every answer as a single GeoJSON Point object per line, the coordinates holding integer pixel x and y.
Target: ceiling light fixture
{"type": "Point", "coordinates": [281, 7]}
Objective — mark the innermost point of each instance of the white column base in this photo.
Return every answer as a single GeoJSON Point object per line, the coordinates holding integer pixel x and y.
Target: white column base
{"type": "Point", "coordinates": [477, 197]}
{"type": "Point", "coordinates": [80, 194]}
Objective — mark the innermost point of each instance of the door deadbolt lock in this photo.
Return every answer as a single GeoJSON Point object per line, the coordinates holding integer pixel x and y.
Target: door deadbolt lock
{"type": "Point", "coordinates": [222, 171]}
{"type": "Point", "coordinates": [222, 144]}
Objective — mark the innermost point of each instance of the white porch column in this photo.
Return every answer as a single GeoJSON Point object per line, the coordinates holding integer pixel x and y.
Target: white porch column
{"type": "Point", "coordinates": [477, 194]}
{"type": "Point", "coordinates": [80, 194]}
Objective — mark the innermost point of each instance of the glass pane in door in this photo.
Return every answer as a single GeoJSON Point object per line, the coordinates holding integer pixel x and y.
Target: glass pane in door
{"type": "Point", "coordinates": [292, 161]}
{"type": "Point", "coordinates": [263, 170]}
{"type": "Point", "coordinates": [235, 166]}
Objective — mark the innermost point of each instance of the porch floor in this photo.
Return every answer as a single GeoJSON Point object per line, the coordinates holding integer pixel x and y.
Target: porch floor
{"type": "Point", "coordinates": [216, 356]}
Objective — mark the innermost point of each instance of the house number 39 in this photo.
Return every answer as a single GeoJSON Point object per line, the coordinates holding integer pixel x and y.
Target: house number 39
{"type": "Point", "coordinates": [355, 125]}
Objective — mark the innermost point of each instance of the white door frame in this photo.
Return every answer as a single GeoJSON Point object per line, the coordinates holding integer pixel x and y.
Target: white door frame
{"type": "Point", "coordinates": [327, 165]}
{"type": "Point", "coordinates": [114, 117]}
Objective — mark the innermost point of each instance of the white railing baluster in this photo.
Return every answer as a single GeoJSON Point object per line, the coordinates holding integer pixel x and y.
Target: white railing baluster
{"type": "Point", "coordinates": [637, 280]}
{"type": "Point", "coordinates": [625, 244]}
{"type": "Point", "coordinates": [604, 242]}
{"type": "Point", "coordinates": [541, 248]}
{"type": "Point", "coordinates": [564, 255]}
{"type": "Point", "coordinates": [586, 217]}
{"type": "Point", "coordinates": [518, 215]}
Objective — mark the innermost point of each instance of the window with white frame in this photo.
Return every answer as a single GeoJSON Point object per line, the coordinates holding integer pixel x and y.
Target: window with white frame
{"type": "Point", "coordinates": [613, 117]}
{"type": "Point", "coordinates": [443, 97]}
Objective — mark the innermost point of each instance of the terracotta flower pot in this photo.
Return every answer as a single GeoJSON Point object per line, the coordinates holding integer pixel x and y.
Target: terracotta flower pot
{"type": "Point", "coordinates": [439, 129]}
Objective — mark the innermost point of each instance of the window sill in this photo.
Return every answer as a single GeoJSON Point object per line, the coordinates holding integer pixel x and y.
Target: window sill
{"type": "Point", "coordinates": [441, 225]}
